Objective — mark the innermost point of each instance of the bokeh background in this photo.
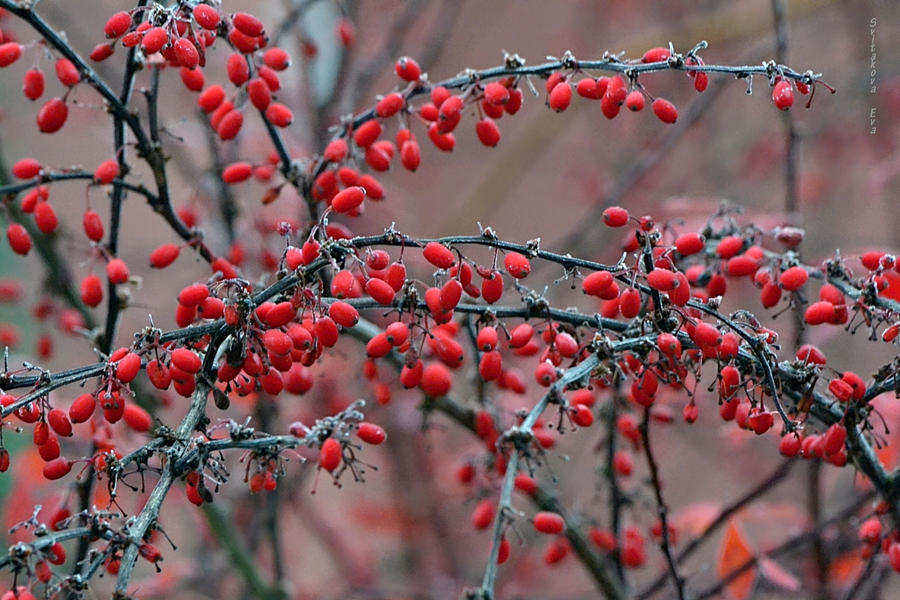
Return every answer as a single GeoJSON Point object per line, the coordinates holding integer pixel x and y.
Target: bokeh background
{"type": "Point", "coordinates": [405, 533]}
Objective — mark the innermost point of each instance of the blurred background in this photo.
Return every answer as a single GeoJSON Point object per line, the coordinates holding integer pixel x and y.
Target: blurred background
{"type": "Point", "coordinates": [405, 533]}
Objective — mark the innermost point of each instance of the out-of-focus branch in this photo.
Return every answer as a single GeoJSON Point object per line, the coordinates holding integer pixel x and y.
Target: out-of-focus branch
{"type": "Point", "coordinates": [790, 545]}
{"type": "Point", "coordinates": [661, 508]}
{"type": "Point", "coordinates": [764, 486]}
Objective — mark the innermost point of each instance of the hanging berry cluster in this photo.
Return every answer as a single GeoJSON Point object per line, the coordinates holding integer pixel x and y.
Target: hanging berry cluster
{"type": "Point", "coordinates": [647, 338]}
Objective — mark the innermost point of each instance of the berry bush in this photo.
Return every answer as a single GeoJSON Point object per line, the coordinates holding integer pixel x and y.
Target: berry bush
{"type": "Point", "coordinates": [267, 385]}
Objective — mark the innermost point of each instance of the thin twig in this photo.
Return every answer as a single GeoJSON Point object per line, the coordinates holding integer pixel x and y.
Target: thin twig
{"type": "Point", "coordinates": [661, 508]}
{"type": "Point", "coordinates": [764, 486]}
{"type": "Point", "coordinates": [790, 545]}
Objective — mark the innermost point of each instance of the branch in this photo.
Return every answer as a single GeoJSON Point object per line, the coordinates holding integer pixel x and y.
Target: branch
{"type": "Point", "coordinates": [661, 508]}
{"type": "Point", "coordinates": [790, 545]}
{"type": "Point", "coordinates": [243, 561]}
{"type": "Point", "coordinates": [766, 485]}
{"type": "Point", "coordinates": [139, 527]}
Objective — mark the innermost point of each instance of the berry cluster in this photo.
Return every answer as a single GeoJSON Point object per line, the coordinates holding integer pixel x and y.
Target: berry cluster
{"type": "Point", "coordinates": [646, 338]}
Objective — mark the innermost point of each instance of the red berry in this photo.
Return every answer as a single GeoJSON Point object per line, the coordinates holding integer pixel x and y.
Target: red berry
{"type": "Point", "coordinates": [436, 380]}
{"type": "Point", "coordinates": [582, 416]}
{"type": "Point", "coordinates": [662, 280]}
{"type": "Point", "coordinates": [154, 39]}
{"type": "Point", "coordinates": [483, 514]}
{"type": "Point", "coordinates": [496, 93]}
{"type": "Point", "coordinates": [557, 551]}
{"type": "Point", "coordinates": [793, 278]}
{"type": "Point", "coordinates": [842, 390]}
{"type": "Point", "coordinates": [729, 246]}
{"type": "Point", "coordinates": [770, 295]}
{"type": "Point", "coordinates": [26, 168]}
{"type": "Point", "coordinates": [706, 335]}
{"type": "Point", "coordinates": [623, 463]}
{"type": "Point", "coordinates": [193, 79]}
{"type": "Point", "coordinates": [665, 110]}
{"type": "Point", "coordinates": [279, 115]}
{"type": "Point", "coordinates": [870, 531]}
{"type": "Point", "coordinates": [549, 522]}
{"type": "Point", "coordinates": [487, 339]}
{"type": "Point", "coordinates": [783, 94]}
{"type": "Point", "coordinates": [834, 438]}
{"type": "Point", "coordinates": [33, 84]}
{"type": "Point", "coordinates": [18, 237]}
{"type": "Point", "coordinates": [248, 24]}
{"type": "Point", "coordinates": [443, 141]}
{"type": "Point", "coordinates": [117, 25]}
{"type": "Point", "coordinates": [450, 294]}
{"type": "Point", "coordinates": [137, 418]}
{"type": "Point", "coordinates": [389, 105]}
{"type": "Point", "coordinates": [336, 150]}
{"type": "Point", "coordinates": [230, 125]}
{"type": "Point", "coordinates": [330, 454]}
{"type": "Point", "coordinates": [206, 16]}
{"type": "Point", "coordinates": [811, 354]}
{"type": "Point", "coordinates": [59, 422]}
{"type": "Point", "coordinates": [516, 99]}
{"type": "Point", "coordinates": [57, 468]}
{"type": "Point", "coordinates": [380, 291]}
{"type": "Point", "coordinates": [588, 88]}
{"type": "Point", "coordinates": [597, 283]}
{"type": "Point", "coordinates": [9, 53]}
{"type": "Point", "coordinates": [439, 255]}
{"type": "Point", "coordinates": [186, 360]}
{"type": "Point", "coordinates": [164, 255]}
{"type": "Point", "coordinates": [45, 217]}
{"type": "Point", "coordinates": [407, 69]}
{"type": "Point", "coordinates": [237, 172]}
{"type": "Point", "coordinates": [871, 260]}
{"type": "Point", "coordinates": [259, 93]}
{"type": "Point", "coordinates": [790, 444]}
{"type": "Point", "coordinates": [117, 271]}
{"type": "Point", "coordinates": [488, 132]}
{"type": "Point", "coordinates": [93, 226]}
{"type": "Point", "coordinates": [67, 72]}
{"type": "Point", "coordinates": [689, 243]}
{"type": "Point", "coordinates": [346, 32]}
{"type": "Point", "coordinates": [211, 98]}
{"type": "Point", "coordinates": [560, 96]}
{"type": "Point", "coordinates": [655, 55]}
{"type": "Point", "coordinates": [630, 303]}
{"type": "Point", "coordinates": [517, 265]}
{"type": "Point", "coordinates": [449, 114]}
{"type": "Point", "coordinates": [635, 101]}
{"type": "Point", "coordinates": [284, 312]}
{"type": "Point", "coordinates": [101, 52]}
{"type": "Point", "coordinates": [366, 134]}
{"type": "Point", "coordinates": [82, 408]}
{"type": "Point", "coordinates": [348, 199]}
{"type": "Point", "coordinates": [238, 69]}
{"type": "Point", "coordinates": [91, 290]}
{"type": "Point", "coordinates": [371, 433]}
{"type": "Point", "coordinates": [106, 172]}
{"type": "Point", "coordinates": [741, 266]}
{"type": "Point", "coordinates": [277, 59]}
{"type": "Point", "coordinates": [158, 374]}
{"type": "Point", "coordinates": [668, 344]}
{"type": "Point", "coordinates": [52, 116]}
{"type": "Point", "coordinates": [186, 53]}
{"type": "Point", "coordinates": [521, 335]}
{"type": "Point", "coordinates": [615, 216]}
{"type": "Point", "coordinates": [819, 312]}
{"type": "Point", "coordinates": [127, 367]}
